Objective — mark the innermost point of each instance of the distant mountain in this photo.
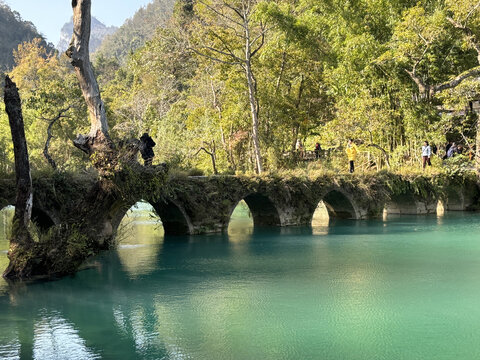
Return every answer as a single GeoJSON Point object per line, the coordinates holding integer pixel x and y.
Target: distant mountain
{"type": "Point", "coordinates": [98, 32]}
{"type": "Point", "coordinates": [136, 30]}
{"type": "Point", "coordinates": [14, 31]}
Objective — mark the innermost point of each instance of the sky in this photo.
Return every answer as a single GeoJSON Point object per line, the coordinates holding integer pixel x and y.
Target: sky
{"type": "Point", "coordinates": [49, 16]}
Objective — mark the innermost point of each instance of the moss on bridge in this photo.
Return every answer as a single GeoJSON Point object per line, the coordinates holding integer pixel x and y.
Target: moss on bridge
{"type": "Point", "coordinates": [86, 211]}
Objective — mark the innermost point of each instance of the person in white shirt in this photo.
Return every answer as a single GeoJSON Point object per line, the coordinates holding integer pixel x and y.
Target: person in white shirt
{"type": "Point", "coordinates": [426, 154]}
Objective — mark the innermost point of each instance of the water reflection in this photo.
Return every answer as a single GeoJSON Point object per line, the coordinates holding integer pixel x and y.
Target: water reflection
{"type": "Point", "coordinates": [56, 338]}
{"type": "Point", "coordinates": [256, 294]}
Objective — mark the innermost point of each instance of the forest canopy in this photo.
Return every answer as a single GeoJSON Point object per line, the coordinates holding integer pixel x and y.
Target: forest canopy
{"type": "Point", "coordinates": [217, 76]}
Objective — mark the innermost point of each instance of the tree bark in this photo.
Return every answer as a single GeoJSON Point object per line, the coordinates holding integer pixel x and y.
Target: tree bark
{"type": "Point", "coordinates": [24, 200]}
{"type": "Point", "coordinates": [252, 98]}
{"type": "Point", "coordinates": [212, 155]}
{"type": "Point", "coordinates": [254, 113]}
{"type": "Point", "coordinates": [78, 52]}
{"type": "Point", "coordinates": [46, 153]}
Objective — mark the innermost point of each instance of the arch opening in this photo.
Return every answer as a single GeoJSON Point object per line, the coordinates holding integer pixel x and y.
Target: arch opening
{"type": "Point", "coordinates": [173, 219]}
{"type": "Point", "coordinates": [241, 222]}
{"type": "Point", "coordinates": [41, 219]}
{"type": "Point", "coordinates": [263, 211]}
{"type": "Point", "coordinates": [338, 206]}
{"type": "Point", "coordinates": [440, 210]}
{"type": "Point", "coordinates": [454, 201]}
{"type": "Point", "coordinates": [401, 204]}
{"type": "Point", "coordinates": [320, 220]}
{"type": "Point", "coordinates": [139, 237]}
{"type": "Point", "coordinates": [141, 214]}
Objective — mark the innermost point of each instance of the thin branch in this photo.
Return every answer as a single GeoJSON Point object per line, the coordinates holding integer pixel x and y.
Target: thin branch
{"type": "Point", "coordinates": [422, 87]}
{"type": "Point", "coordinates": [472, 11]}
{"type": "Point", "coordinates": [221, 14]}
{"type": "Point", "coordinates": [457, 80]}
{"type": "Point", "coordinates": [259, 46]}
{"type": "Point", "coordinates": [242, 16]}
{"type": "Point", "coordinates": [230, 51]}
{"type": "Point", "coordinates": [222, 53]}
{"type": "Point", "coordinates": [214, 58]}
{"type": "Point", "coordinates": [387, 156]}
{"type": "Point", "coordinates": [52, 121]}
{"type": "Point", "coordinates": [472, 38]}
{"type": "Point", "coordinates": [203, 149]}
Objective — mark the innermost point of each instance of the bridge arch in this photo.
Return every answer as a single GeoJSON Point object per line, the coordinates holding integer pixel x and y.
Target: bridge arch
{"type": "Point", "coordinates": [337, 204]}
{"type": "Point", "coordinates": [174, 219]}
{"type": "Point", "coordinates": [454, 200]}
{"type": "Point", "coordinates": [41, 218]}
{"type": "Point", "coordinates": [263, 210]}
{"type": "Point", "coordinates": [402, 204]}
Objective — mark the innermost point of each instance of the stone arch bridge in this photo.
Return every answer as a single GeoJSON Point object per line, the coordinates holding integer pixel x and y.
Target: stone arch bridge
{"type": "Point", "coordinates": [195, 205]}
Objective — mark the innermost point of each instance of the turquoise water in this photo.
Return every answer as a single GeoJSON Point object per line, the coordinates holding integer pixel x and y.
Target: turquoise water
{"type": "Point", "coordinates": [407, 288]}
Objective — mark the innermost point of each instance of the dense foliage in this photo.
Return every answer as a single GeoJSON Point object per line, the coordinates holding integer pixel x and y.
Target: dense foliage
{"type": "Point", "coordinates": [389, 74]}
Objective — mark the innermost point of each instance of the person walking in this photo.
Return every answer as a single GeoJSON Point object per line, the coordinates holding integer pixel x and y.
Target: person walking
{"type": "Point", "coordinates": [351, 151]}
{"type": "Point", "coordinates": [426, 154]}
{"type": "Point", "coordinates": [318, 148]}
{"type": "Point", "coordinates": [146, 149]}
{"type": "Point", "coordinates": [447, 147]}
{"type": "Point", "coordinates": [452, 151]}
{"type": "Point", "coordinates": [300, 149]}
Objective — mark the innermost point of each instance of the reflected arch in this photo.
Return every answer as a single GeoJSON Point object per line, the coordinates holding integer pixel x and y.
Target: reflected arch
{"type": "Point", "coordinates": [262, 209]}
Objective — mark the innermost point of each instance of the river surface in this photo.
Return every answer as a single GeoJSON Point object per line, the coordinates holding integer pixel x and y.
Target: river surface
{"type": "Point", "coordinates": [404, 288]}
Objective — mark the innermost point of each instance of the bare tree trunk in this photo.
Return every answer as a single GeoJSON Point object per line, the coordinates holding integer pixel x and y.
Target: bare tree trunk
{"type": "Point", "coordinates": [78, 52]}
{"type": "Point", "coordinates": [46, 153]}
{"type": "Point", "coordinates": [20, 238]}
{"type": "Point", "coordinates": [23, 204]}
{"type": "Point", "coordinates": [51, 122]}
{"type": "Point", "coordinates": [212, 154]}
{"type": "Point", "coordinates": [253, 105]}
{"type": "Point", "coordinates": [218, 107]}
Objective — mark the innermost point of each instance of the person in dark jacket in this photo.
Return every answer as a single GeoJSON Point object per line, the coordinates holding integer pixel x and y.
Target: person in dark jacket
{"type": "Point", "coordinates": [318, 148]}
{"type": "Point", "coordinates": [146, 149]}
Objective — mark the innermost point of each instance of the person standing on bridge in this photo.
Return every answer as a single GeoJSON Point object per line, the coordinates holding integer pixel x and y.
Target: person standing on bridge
{"type": "Point", "coordinates": [146, 149]}
{"type": "Point", "coordinates": [351, 151]}
{"type": "Point", "coordinates": [426, 154]}
{"type": "Point", "coordinates": [318, 148]}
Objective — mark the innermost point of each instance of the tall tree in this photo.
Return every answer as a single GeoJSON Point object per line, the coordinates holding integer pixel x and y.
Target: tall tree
{"type": "Point", "coordinates": [21, 238]}
{"type": "Point", "coordinates": [232, 33]}
{"type": "Point", "coordinates": [78, 52]}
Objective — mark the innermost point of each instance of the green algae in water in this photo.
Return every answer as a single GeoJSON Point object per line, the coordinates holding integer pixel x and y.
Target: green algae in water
{"type": "Point", "coordinates": [407, 288]}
